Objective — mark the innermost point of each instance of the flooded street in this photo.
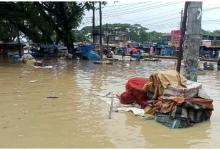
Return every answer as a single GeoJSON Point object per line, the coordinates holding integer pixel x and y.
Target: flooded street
{"type": "Point", "coordinates": [78, 118]}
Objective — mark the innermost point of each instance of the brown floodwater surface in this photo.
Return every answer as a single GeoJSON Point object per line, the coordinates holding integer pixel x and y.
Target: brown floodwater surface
{"type": "Point", "coordinates": [78, 118]}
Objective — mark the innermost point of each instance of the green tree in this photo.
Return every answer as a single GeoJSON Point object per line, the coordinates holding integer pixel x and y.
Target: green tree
{"type": "Point", "coordinates": [136, 32]}
{"type": "Point", "coordinates": [7, 31]}
{"type": "Point", "coordinates": [42, 21]}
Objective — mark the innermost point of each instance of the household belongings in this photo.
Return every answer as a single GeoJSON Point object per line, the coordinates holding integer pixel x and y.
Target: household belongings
{"type": "Point", "coordinates": [28, 59]}
{"type": "Point", "coordinates": [175, 101]}
{"type": "Point", "coordinates": [208, 66]}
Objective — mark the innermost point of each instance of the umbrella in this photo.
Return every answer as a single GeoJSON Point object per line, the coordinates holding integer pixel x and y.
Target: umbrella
{"type": "Point", "coordinates": [133, 49]}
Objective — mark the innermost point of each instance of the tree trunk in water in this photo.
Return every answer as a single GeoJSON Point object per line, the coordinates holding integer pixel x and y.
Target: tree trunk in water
{"type": "Point", "coordinates": [70, 48]}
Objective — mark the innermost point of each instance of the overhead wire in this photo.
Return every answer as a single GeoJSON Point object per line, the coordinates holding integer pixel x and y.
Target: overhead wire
{"type": "Point", "coordinates": [131, 8]}
{"type": "Point", "coordinates": [137, 11]}
{"type": "Point", "coordinates": [149, 17]}
{"type": "Point", "coordinates": [125, 4]}
{"type": "Point", "coordinates": [123, 13]}
{"type": "Point", "coordinates": [204, 10]}
{"type": "Point", "coordinates": [123, 7]}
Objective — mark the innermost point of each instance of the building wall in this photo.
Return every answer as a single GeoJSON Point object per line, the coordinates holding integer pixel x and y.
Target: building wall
{"type": "Point", "coordinates": [116, 37]}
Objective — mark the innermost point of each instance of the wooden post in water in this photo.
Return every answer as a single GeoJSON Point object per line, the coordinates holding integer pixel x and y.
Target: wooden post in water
{"type": "Point", "coordinates": [183, 29]}
{"type": "Point", "coordinates": [110, 111]}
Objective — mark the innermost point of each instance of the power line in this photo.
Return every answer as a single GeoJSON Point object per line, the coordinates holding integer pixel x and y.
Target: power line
{"type": "Point", "coordinates": [121, 11]}
{"type": "Point", "coordinates": [209, 9]}
{"type": "Point", "coordinates": [107, 11]}
{"type": "Point", "coordinates": [124, 13]}
{"type": "Point", "coordinates": [125, 4]}
{"type": "Point", "coordinates": [152, 16]}
{"type": "Point", "coordinates": [204, 10]}
{"type": "Point", "coordinates": [120, 5]}
{"type": "Point", "coordinates": [132, 11]}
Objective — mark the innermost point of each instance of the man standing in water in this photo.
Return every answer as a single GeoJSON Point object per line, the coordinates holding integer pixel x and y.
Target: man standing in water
{"type": "Point", "coordinates": [123, 54]}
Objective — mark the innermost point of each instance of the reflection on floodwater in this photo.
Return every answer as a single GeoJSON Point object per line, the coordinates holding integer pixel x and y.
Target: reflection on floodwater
{"type": "Point", "coordinates": [78, 118]}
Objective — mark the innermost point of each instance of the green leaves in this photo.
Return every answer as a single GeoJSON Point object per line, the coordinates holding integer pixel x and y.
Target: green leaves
{"type": "Point", "coordinates": [136, 32]}
{"type": "Point", "coordinates": [42, 22]}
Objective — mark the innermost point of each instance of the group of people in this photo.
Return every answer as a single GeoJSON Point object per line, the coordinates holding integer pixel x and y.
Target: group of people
{"type": "Point", "coordinates": [210, 54]}
{"type": "Point", "coordinates": [123, 54]}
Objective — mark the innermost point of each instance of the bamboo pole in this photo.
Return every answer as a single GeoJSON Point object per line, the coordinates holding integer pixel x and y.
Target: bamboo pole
{"type": "Point", "coordinates": [111, 107]}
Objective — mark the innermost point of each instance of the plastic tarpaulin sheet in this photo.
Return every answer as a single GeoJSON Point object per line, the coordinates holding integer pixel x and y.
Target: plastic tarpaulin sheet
{"type": "Point", "coordinates": [135, 55]}
{"type": "Point", "coordinates": [94, 56]}
{"type": "Point", "coordinates": [136, 111]}
{"type": "Point", "coordinates": [133, 49]}
{"type": "Point", "coordinates": [167, 51]}
{"type": "Point", "coordinates": [116, 105]}
{"type": "Point", "coordinates": [161, 79]}
{"type": "Point", "coordinates": [86, 52]}
{"type": "Point", "coordinates": [121, 48]}
{"type": "Point", "coordinates": [135, 44]}
{"type": "Point", "coordinates": [147, 45]}
{"type": "Point", "coordinates": [163, 43]}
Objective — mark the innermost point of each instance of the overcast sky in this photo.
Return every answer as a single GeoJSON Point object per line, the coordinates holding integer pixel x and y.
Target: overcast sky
{"type": "Point", "coordinates": [161, 16]}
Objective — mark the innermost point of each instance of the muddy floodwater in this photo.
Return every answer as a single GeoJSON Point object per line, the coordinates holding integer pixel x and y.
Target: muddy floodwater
{"type": "Point", "coordinates": [78, 118]}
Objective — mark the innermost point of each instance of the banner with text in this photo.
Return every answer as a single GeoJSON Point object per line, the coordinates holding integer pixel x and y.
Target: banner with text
{"type": "Point", "coordinates": [175, 36]}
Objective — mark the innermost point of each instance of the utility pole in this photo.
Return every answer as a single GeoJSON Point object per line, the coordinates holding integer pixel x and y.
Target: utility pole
{"type": "Point", "coordinates": [107, 36]}
{"type": "Point", "coordinates": [191, 53]}
{"type": "Point", "coordinates": [181, 18]}
{"type": "Point", "coordinates": [93, 22]}
{"type": "Point", "coordinates": [19, 44]}
{"type": "Point", "coordinates": [183, 29]}
{"type": "Point", "coordinates": [100, 40]}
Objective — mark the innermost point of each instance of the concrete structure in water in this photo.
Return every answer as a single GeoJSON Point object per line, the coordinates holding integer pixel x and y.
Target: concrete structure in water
{"type": "Point", "coordinates": [193, 38]}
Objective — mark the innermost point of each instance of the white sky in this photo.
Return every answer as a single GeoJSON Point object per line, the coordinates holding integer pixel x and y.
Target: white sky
{"type": "Point", "coordinates": [161, 16]}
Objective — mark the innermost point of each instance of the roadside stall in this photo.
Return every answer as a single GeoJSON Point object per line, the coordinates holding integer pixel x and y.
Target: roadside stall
{"type": "Point", "coordinates": [161, 45]}
{"type": "Point", "coordinates": [147, 46]}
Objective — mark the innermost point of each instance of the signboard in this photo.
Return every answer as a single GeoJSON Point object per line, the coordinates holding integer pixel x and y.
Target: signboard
{"type": "Point", "coordinates": [175, 36]}
{"type": "Point", "coordinates": [145, 45]}
{"type": "Point", "coordinates": [174, 44]}
{"type": "Point", "coordinates": [166, 34]}
{"type": "Point", "coordinates": [163, 43]}
{"type": "Point", "coordinates": [215, 43]}
{"type": "Point", "coordinates": [205, 42]}
{"type": "Point", "coordinates": [120, 44]}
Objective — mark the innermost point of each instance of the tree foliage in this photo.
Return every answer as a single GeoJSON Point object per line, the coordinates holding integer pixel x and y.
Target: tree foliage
{"type": "Point", "coordinates": [215, 32]}
{"type": "Point", "coordinates": [7, 31]}
{"type": "Point", "coordinates": [136, 32]}
{"type": "Point", "coordinates": [43, 21]}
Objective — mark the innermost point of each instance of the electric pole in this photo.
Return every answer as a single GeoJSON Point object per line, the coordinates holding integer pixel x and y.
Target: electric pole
{"type": "Point", "coordinates": [181, 18]}
{"type": "Point", "coordinates": [19, 44]}
{"type": "Point", "coordinates": [191, 53]}
{"type": "Point", "coordinates": [100, 40]}
{"type": "Point", "coordinates": [183, 29]}
{"type": "Point", "coordinates": [107, 36]}
{"type": "Point", "coordinates": [93, 22]}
